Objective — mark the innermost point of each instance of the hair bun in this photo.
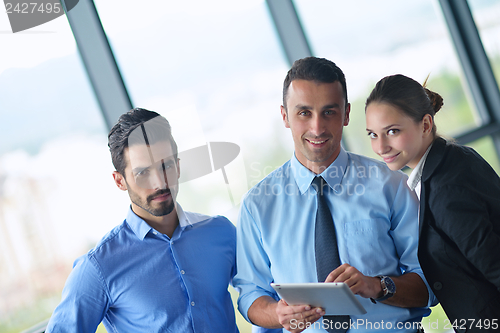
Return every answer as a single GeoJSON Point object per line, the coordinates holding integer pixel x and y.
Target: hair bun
{"type": "Point", "coordinates": [435, 98]}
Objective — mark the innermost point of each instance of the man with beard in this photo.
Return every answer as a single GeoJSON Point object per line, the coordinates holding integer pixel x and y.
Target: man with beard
{"type": "Point", "coordinates": [162, 269]}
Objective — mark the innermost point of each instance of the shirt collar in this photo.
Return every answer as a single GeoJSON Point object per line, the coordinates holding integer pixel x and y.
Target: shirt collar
{"type": "Point", "coordinates": [187, 219]}
{"type": "Point", "coordinates": [138, 225]}
{"type": "Point", "coordinates": [184, 221]}
{"type": "Point", "coordinates": [141, 227]}
{"type": "Point", "coordinates": [416, 174]}
{"type": "Point", "coordinates": [332, 175]}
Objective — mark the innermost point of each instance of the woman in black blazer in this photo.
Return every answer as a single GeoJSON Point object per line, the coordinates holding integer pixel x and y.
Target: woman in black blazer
{"type": "Point", "coordinates": [459, 243]}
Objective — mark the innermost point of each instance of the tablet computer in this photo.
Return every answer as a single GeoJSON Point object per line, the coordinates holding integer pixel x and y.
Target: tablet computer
{"type": "Point", "coordinates": [335, 298]}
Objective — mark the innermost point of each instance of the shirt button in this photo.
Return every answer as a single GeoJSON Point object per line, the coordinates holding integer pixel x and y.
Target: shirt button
{"type": "Point", "coordinates": [172, 243]}
{"type": "Point", "coordinates": [182, 272]}
{"type": "Point", "coordinates": [438, 286]}
{"type": "Point", "coordinates": [192, 303]}
{"type": "Point", "coordinates": [154, 232]}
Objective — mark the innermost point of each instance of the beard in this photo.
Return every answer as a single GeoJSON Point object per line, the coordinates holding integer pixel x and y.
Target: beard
{"type": "Point", "coordinates": [159, 209]}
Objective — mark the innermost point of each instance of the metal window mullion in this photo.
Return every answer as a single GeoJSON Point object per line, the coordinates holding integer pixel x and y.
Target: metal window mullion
{"type": "Point", "coordinates": [474, 61]}
{"type": "Point", "coordinates": [99, 61]}
{"type": "Point", "coordinates": [290, 32]}
{"type": "Point", "coordinates": [289, 29]}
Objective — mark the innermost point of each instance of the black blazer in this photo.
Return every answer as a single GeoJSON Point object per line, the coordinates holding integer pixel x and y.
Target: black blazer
{"type": "Point", "coordinates": [459, 245]}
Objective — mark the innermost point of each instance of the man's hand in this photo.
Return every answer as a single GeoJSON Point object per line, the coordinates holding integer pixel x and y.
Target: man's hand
{"type": "Point", "coordinates": [410, 289]}
{"type": "Point", "coordinates": [295, 318]}
{"type": "Point", "coordinates": [365, 286]}
{"type": "Point", "coordinates": [266, 312]}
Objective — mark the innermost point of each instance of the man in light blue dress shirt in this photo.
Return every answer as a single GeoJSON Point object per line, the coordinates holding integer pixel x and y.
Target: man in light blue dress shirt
{"type": "Point", "coordinates": [162, 269]}
{"type": "Point", "coordinates": [374, 213]}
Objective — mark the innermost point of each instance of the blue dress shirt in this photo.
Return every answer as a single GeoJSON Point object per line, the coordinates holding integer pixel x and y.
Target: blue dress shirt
{"type": "Point", "coordinates": [375, 217]}
{"type": "Point", "coordinates": [139, 280]}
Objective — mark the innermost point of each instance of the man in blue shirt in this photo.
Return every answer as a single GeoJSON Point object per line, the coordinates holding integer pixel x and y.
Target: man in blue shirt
{"type": "Point", "coordinates": [162, 269]}
{"type": "Point", "coordinates": [374, 215]}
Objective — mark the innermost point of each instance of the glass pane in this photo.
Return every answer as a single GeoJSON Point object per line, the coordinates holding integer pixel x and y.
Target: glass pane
{"type": "Point", "coordinates": [486, 14]}
{"type": "Point", "coordinates": [373, 39]}
{"type": "Point", "coordinates": [486, 149]}
{"type": "Point", "coordinates": [53, 158]}
{"type": "Point", "coordinates": [215, 70]}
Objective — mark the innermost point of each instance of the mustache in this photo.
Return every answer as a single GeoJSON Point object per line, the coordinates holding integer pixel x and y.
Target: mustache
{"type": "Point", "coordinates": [157, 194]}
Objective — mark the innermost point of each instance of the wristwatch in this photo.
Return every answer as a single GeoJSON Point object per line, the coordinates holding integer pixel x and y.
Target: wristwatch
{"type": "Point", "coordinates": [388, 287]}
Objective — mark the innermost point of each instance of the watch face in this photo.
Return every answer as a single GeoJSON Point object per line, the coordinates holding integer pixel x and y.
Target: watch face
{"type": "Point", "coordinates": [389, 284]}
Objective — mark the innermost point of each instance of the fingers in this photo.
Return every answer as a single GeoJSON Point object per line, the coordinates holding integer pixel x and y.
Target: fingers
{"type": "Point", "coordinates": [356, 284]}
{"type": "Point", "coordinates": [360, 284]}
{"type": "Point", "coordinates": [340, 274]}
{"type": "Point", "coordinates": [295, 318]}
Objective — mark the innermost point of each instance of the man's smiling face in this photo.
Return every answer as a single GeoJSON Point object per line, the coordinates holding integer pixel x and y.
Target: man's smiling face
{"type": "Point", "coordinates": [316, 114]}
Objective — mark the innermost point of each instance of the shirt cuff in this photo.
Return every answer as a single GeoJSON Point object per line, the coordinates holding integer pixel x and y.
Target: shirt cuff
{"type": "Point", "coordinates": [432, 298]}
{"type": "Point", "coordinates": [246, 300]}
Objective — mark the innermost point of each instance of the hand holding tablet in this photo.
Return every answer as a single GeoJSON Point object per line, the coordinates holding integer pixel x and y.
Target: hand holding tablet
{"type": "Point", "coordinates": [336, 298]}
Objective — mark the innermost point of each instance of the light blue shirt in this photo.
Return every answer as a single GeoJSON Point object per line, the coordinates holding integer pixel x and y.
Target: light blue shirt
{"type": "Point", "coordinates": [375, 217]}
{"type": "Point", "coordinates": [139, 280]}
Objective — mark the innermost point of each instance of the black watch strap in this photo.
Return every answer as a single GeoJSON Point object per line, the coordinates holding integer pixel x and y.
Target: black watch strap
{"type": "Point", "coordinates": [388, 287]}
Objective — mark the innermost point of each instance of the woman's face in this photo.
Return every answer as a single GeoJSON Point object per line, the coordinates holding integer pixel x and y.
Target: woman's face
{"type": "Point", "coordinates": [396, 137]}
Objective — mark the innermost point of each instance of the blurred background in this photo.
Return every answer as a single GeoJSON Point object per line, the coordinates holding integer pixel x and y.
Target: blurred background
{"type": "Point", "coordinates": [215, 70]}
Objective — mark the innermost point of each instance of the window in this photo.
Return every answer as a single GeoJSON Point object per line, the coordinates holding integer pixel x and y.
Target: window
{"type": "Point", "coordinates": [53, 167]}
{"type": "Point", "coordinates": [215, 71]}
{"type": "Point", "coordinates": [486, 14]}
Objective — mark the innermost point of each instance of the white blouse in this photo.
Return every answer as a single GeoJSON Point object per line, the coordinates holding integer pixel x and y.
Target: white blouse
{"type": "Point", "coordinates": [416, 175]}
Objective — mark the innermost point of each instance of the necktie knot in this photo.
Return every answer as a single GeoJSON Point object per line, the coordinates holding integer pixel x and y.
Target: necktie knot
{"type": "Point", "coordinates": [318, 184]}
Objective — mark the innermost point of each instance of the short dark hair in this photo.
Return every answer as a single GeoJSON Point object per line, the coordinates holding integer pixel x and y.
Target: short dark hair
{"type": "Point", "coordinates": [406, 94]}
{"type": "Point", "coordinates": [158, 129]}
{"type": "Point", "coordinates": [314, 69]}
